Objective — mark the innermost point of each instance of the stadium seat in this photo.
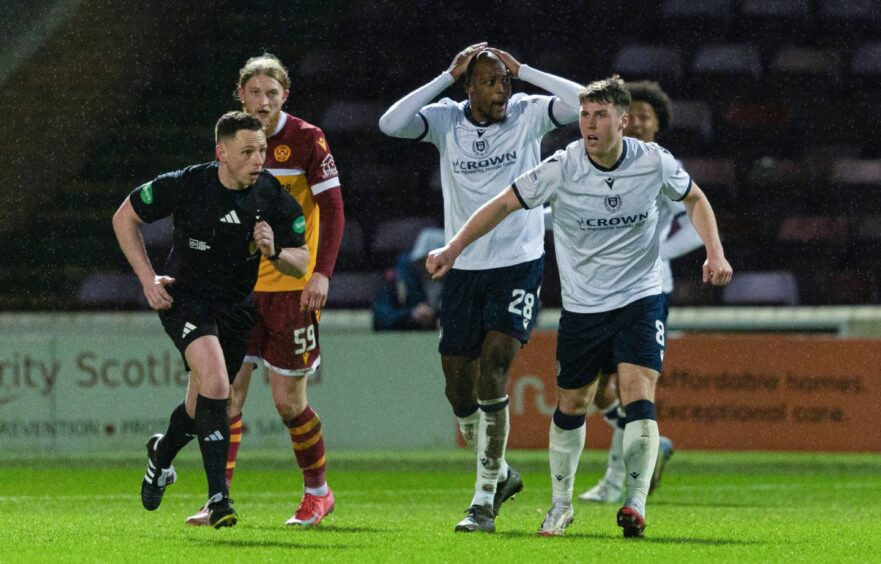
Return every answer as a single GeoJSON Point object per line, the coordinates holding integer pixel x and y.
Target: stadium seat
{"type": "Point", "coordinates": [869, 228]}
{"type": "Point", "coordinates": [354, 289]}
{"type": "Point", "coordinates": [111, 289]}
{"type": "Point", "coordinates": [795, 69]}
{"type": "Point", "coordinates": [767, 22]}
{"type": "Point", "coordinates": [865, 70]}
{"type": "Point", "coordinates": [814, 228]}
{"type": "Point", "coordinates": [770, 173]}
{"type": "Point", "coordinates": [687, 23]}
{"type": "Point", "coordinates": [762, 288]}
{"type": "Point", "coordinates": [649, 62]}
{"type": "Point", "coordinates": [691, 127]}
{"type": "Point", "coordinates": [830, 287]}
{"type": "Point", "coordinates": [726, 71]}
{"type": "Point", "coordinates": [855, 185]}
{"type": "Point", "coordinates": [848, 22]}
{"type": "Point", "coordinates": [716, 176]}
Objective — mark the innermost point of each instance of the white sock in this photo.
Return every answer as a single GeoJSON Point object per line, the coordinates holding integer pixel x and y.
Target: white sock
{"type": "Point", "coordinates": [640, 446]}
{"type": "Point", "coordinates": [320, 492]}
{"type": "Point", "coordinates": [468, 428]}
{"type": "Point", "coordinates": [564, 450]}
{"type": "Point", "coordinates": [615, 464]}
{"type": "Point", "coordinates": [492, 438]}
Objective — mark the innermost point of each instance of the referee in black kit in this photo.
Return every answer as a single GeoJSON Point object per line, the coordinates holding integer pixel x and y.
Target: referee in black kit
{"type": "Point", "coordinates": [226, 214]}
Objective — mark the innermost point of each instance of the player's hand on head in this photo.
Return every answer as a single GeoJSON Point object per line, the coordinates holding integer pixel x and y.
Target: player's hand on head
{"type": "Point", "coordinates": [264, 238]}
{"type": "Point", "coordinates": [439, 262]}
{"type": "Point", "coordinates": [460, 61]}
{"type": "Point", "coordinates": [717, 271]}
{"type": "Point", "coordinates": [157, 296]}
{"type": "Point", "coordinates": [314, 295]}
{"type": "Point", "coordinates": [510, 62]}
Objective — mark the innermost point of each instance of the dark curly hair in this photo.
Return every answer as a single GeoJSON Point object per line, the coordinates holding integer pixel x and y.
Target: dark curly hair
{"type": "Point", "coordinates": [651, 93]}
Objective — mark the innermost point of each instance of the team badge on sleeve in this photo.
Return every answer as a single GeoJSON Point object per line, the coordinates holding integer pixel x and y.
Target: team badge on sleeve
{"type": "Point", "coordinates": [322, 143]}
{"type": "Point", "coordinates": [328, 166]}
{"type": "Point", "coordinates": [299, 225]}
{"type": "Point", "coordinates": [147, 193]}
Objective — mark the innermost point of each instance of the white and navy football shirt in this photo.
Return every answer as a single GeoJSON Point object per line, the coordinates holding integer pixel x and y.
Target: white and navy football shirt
{"type": "Point", "coordinates": [606, 229]}
{"type": "Point", "coordinates": [477, 161]}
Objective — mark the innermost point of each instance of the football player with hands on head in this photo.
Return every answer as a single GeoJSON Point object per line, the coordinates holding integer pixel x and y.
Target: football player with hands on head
{"type": "Point", "coordinates": [490, 301]}
{"type": "Point", "coordinates": [603, 190]}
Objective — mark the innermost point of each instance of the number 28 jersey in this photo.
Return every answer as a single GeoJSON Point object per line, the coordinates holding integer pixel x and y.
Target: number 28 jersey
{"type": "Point", "coordinates": [478, 161]}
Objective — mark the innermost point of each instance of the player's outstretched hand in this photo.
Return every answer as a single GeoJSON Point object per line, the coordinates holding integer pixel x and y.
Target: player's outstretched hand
{"type": "Point", "coordinates": [439, 262]}
{"type": "Point", "coordinates": [314, 295]}
{"type": "Point", "coordinates": [510, 62]}
{"type": "Point", "coordinates": [717, 271]}
{"type": "Point", "coordinates": [264, 238]}
{"type": "Point", "coordinates": [460, 61]}
{"type": "Point", "coordinates": [156, 294]}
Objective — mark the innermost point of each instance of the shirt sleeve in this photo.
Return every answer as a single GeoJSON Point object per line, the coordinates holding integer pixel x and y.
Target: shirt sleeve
{"type": "Point", "coordinates": [564, 109]}
{"type": "Point", "coordinates": [438, 119]}
{"type": "Point", "coordinates": [675, 182]}
{"type": "Point", "coordinates": [322, 173]}
{"type": "Point", "coordinates": [159, 197]}
{"type": "Point", "coordinates": [403, 118]}
{"type": "Point", "coordinates": [539, 113]}
{"type": "Point", "coordinates": [539, 185]}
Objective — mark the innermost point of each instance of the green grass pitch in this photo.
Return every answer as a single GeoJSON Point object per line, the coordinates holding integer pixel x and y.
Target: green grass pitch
{"type": "Point", "coordinates": [401, 507]}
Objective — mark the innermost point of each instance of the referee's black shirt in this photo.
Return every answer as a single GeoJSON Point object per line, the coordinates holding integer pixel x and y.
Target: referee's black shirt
{"type": "Point", "coordinates": [214, 256]}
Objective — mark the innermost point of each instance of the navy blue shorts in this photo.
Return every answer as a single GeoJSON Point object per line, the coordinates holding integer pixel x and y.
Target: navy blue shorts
{"type": "Point", "coordinates": [588, 343]}
{"type": "Point", "coordinates": [190, 318]}
{"type": "Point", "coordinates": [475, 302]}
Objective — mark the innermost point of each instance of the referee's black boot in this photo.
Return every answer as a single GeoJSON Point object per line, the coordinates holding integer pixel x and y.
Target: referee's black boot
{"type": "Point", "coordinates": [221, 513]}
{"type": "Point", "coordinates": [156, 479]}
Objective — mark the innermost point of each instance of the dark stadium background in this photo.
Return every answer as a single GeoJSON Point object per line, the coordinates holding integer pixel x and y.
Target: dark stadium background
{"type": "Point", "coordinates": [776, 118]}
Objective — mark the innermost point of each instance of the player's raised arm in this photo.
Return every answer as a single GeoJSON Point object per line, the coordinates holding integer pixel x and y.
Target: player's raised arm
{"type": "Point", "coordinates": [716, 269]}
{"type": "Point", "coordinates": [403, 120]}
{"type": "Point", "coordinates": [481, 222]}
{"type": "Point", "coordinates": [567, 91]}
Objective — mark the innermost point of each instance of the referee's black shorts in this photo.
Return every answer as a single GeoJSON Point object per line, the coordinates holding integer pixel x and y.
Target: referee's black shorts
{"type": "Point", "coordinates": [191, 317]}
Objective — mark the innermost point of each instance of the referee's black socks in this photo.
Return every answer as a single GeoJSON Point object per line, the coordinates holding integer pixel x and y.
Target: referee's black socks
{"type": "Point", "coordinates": [181, 430]}
{"type": "Point", "coordinates": [212, 427]}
